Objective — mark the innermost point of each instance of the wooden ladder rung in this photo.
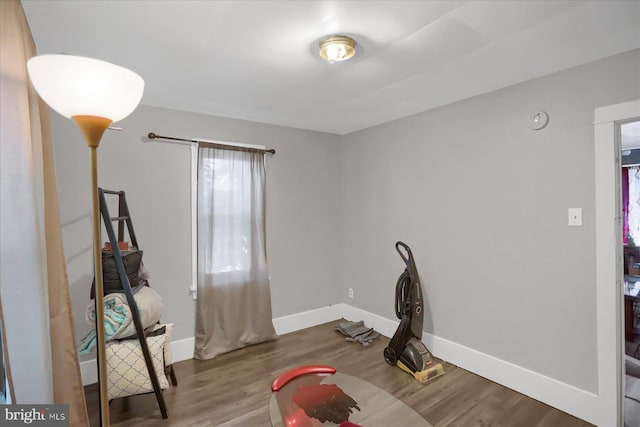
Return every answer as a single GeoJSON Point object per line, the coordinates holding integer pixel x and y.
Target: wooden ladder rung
{"type": "Point", "coordinates": [119, 218]}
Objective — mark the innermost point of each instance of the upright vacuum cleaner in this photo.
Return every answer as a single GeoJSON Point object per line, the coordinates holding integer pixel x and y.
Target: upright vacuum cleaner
{"type": "Point", "coordinates": [406, 350]}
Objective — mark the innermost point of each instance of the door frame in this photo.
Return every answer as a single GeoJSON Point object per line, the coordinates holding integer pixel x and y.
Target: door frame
{"type": "Point", "coordinates": [609, 272]}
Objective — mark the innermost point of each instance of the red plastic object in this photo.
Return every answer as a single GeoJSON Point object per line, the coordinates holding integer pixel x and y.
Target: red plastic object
{"type": "Point", "coordinates": [298, 419]}
{"type": "Point", "coordinates": [283, 379]}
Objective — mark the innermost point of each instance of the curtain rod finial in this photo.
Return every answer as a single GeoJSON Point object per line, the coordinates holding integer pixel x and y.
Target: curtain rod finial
{"type": "Point", "coordinates": [152, 135]}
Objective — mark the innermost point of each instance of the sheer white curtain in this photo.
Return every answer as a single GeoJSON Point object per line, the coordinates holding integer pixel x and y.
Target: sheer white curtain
{"type": "Point", "coordinates": [233, 308]}
{"type": "Point", "coordinates": [634, 204]}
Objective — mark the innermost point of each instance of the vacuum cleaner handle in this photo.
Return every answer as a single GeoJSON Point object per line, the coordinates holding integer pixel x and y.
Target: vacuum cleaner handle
{"type": "Point", "coordinates": [408, 260]}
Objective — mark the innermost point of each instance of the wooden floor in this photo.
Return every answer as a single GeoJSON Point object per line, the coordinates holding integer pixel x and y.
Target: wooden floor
{"type": "Point", "coordinates": [234, 389]}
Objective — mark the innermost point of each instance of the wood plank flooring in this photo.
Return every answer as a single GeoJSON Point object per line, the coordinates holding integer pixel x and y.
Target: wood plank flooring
{"type": "Point", "coordinates": [233, 390]}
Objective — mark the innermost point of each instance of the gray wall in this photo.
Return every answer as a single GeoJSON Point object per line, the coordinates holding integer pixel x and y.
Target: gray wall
{"type": "Point", "coordinates": [302, 207]}
{"type": "Point", "coordinates": [482, 201]}
{"type": "Point", "coordinates": [480, 198]}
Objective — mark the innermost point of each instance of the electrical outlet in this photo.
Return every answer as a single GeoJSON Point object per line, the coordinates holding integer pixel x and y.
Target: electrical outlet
{"type": "Point", "coordinates": [350, 292]}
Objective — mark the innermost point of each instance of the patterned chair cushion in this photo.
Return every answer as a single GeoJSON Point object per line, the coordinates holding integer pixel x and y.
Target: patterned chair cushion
{"type": "Point", "coordinates": [168, 354]}
{"type": "Point", "coordinates": [126, 370]}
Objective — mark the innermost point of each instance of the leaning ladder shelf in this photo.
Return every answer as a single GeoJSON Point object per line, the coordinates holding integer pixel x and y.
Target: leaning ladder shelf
{"type": "Point", "coordinates": [125, 218]}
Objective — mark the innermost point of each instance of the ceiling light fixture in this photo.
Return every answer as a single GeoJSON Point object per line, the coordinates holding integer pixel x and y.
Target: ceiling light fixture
{"type": "Point", "coordinates": [337, 48]}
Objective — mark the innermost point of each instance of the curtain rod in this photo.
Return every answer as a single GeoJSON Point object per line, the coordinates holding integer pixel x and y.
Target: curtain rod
{"type": "Point", "coordinates": [271, 151]}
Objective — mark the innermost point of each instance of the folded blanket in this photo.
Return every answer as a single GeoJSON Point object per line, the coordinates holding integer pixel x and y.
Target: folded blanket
{"type": "Point", "coordinates": [118, 322]}
{"type": "Point", "coordinates": [364, 339]}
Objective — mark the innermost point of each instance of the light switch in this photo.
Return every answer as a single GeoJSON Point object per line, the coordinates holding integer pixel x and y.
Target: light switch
{"type": "Point", "coordinates": [575, 217]}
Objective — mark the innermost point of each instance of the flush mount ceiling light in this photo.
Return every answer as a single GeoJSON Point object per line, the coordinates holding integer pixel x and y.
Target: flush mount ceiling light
{"type": "Point", "coordinates": [337, 48]}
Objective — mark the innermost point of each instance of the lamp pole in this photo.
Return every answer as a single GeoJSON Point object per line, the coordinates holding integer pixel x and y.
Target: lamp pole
{"type": "Point", "coordinates": [93, 128]}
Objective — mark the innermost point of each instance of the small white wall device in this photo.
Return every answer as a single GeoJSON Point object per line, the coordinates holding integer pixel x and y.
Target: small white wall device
{"type": "Point", "coordinates": [538, 120]}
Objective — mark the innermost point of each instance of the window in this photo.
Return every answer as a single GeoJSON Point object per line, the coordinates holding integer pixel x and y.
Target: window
{"type": "Point", "coordinates": [227, 192]}
{"type": "Point", "coordinates": [228, 186]}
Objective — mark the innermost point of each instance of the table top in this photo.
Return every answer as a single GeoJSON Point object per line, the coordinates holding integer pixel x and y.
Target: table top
{"type": "Point", "coordinates": [331, 400]}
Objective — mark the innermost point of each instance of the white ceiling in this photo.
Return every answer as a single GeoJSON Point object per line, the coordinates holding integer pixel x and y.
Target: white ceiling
{"type": "Point", "coordinates": [257, 60]}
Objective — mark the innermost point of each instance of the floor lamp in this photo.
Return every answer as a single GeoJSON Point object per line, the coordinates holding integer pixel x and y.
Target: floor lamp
{"type": "Point", "coordinates": [93, 94]}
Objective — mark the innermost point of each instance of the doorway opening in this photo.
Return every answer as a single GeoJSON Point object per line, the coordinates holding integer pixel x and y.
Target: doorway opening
{"type": "Point", "coordinates": [630, 221]}
{"type": "Point", "coordinates": [609, 258]}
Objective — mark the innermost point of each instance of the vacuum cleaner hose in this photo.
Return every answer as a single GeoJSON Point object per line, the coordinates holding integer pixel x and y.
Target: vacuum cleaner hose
{"type": "Point", "coordinates": [403, 288]}
{"type": "Point", "coordinates": [403, 285]}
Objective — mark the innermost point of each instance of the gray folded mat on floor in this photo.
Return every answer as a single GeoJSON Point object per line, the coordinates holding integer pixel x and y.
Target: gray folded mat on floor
{"type": "Point", "coordinates": [357, 332]}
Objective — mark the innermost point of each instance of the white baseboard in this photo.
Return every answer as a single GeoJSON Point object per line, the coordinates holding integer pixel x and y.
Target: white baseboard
{"type": "Point", "coordinates": [567, 398]}
{"type": "Point", "coordinates": [573, 400]}
{"type": "Point", "coordinates": [381, 324]}
{"type": "Point", "coordinates": [307, 319]}
{"type": "Point", "coordinates": [89, 372]}
{"type": "Point", "coordinates": [570, 399]}
{"type": "Point", "coordinates": [182, 350]}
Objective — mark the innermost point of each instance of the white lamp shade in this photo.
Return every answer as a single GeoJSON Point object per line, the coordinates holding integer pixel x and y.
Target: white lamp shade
{"type": "Point", "coordinates": [80, 86]}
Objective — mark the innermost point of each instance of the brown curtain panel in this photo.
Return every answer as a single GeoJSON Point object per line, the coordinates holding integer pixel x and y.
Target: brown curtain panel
{"type": "Point", "coordinates": [7, 394]}
{"type": "Point", "coordinates": [17, 48]}
{"type": "Point", "coordinates": [233, 308]}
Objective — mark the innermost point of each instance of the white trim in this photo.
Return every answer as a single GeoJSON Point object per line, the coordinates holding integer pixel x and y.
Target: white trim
{"type": "Point", "coordinates": [608, 341]}
{"type": "Point", "coordinates": [381, 324]}
{"type": "Point", "coordinates": [617, 112]}
{"type": "Point", "coordinates": [608, 265]}
{"type": "Point", "coordinates": [194, 221]}
{"type": "Point", "coordinates": [89, 372]}
{"type": "Point", "coordinates": [565, 397]}
{"type": "Point", "coordinates": [307, 319]}
{"type": "Point", "coordinates": [181, 349]}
